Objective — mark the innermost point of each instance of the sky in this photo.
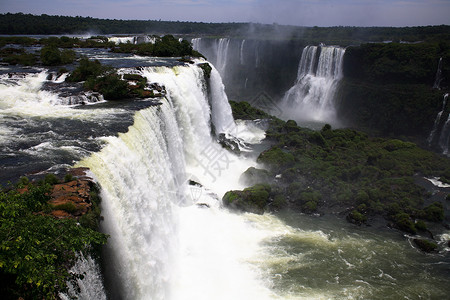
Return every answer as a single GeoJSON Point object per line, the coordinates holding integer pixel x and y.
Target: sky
{"type": "Point", "coordinates": [284, 12]}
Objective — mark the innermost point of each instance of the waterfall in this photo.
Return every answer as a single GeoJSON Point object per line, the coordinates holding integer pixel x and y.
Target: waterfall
{"type": "Point", "coordinates": [241, 53]}
{"type": "Point", "coordinates": [162, 246]}
{"type": "Point", "coordinates": [437, 120]}
{"type": "Point", "coordinates": [437, 81]}
{"type": "Point", "coordinates": [311, 97]}
{"type": "Point", "coordinates": [196, 42]}
{"type": "Point", "coordinates": [445, 136]}
{"type": "Point", "coordinates": [220, 109]}
{"type": "Point", "coordinates": [91, 286]}
{"type": "Point", "coordinates": [222, 54]}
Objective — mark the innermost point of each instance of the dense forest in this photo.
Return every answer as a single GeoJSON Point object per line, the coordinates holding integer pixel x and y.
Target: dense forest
{"type": "Point", "coordinates": [389, 87]}
{"type": "Point", "coordinates": [20, 23]}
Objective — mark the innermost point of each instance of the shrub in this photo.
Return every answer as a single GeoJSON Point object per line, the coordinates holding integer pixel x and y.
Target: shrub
{"type": "Point", "coordinates": [110, 86]}
{"type": "Point", "coordinates": [434, 212]}
{"type": "Point", "coordinates": [356, 217]}
{"type": "Point", "coordinates": [50, 56]}
{"type": "Point", "coordinates": [425, 245]}
{"type": "Point", "coordinates": [309, 207]}
{"type": "Point", "coordinates": [51, 179]}
{"type": "Point", "coordinates": [67, 207]}
{"type": "Point", "coordinates": [403, 222]}
{"type": "Point", "coordinates": [87, 69]}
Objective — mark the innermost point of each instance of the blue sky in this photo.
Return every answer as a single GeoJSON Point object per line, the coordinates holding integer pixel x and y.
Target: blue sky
{"type": "Point", "coordinates": [290, 12]}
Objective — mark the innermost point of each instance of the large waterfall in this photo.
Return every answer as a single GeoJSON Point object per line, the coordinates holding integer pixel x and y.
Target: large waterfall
{"type": "Point", "coordinates": [311, 98]}
{"type": "Point", "coordinates": [162, 174]}
{"type": "Point", "coordinates": [162, 246]}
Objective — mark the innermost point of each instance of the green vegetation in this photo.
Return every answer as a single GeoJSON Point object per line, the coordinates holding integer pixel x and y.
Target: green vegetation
{"type": "Point", "coordinates": [37, 250]}
{"type": "Point", "coordinates": [253, 199]}
{"type": "Point", "coordinates": [206, 70]}
{"type": "Point", "coordinates": [387, 87]}
{"type": "Point", "coordinates": [87, 69]}
{"type": "Point", "coordinates": [112, 86]}
{"type": "Point", "coordinates": [244, 111]}
{"type": "Point", "coordinates": [14, 56]}
{"type": "Point", "coordinates": [44, 24]}
{"type": "Point", "coordinates": [52, 56]}
{"type": "Point", "coordinates": [167, 46]}
{"type": "Point", "coordinates": [345, 168]}
{"type": "Point", "coordinates": [425, 245]}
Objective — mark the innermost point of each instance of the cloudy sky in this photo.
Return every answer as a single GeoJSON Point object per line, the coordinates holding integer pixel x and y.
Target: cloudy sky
{"type": "Point", "coordinates": [290, 12]}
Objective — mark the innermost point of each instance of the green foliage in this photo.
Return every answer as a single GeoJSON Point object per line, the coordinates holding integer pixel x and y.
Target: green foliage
{"type": "Point", "coordinates": [166, 46]}
{"type": "Point", "coordinates": [310, 207]}
{"type": "Point", "coordinates": [111, 86]}
{"type": "Point", "coordinates": [253, 199]}
{"type": "Point", "coordinates": [351, 169]}
{"type": "Point", "coordinates": [51, 179]}
{"type": "Point", "coordinates": [20, 23]}
{"type": "Point", "coordinates": [276, 158]}
{"type": "Point", "coordinates": [420, 225]}
{"type": "Point", "coordinates": [17, 56]}
{"type": "Point", "coordinates": [356, 217]}
{"type": "Point", "coordinates": [67, 207]}
{"type": "Point", "coordinates": [206, 70]}
{"type": "Point", "coordinates": [87, 69]}
{"type": "Point", "coordinates": [68, 177]}
{"type": "Point", "coordinates": [425, 245]}
{"type": "Point", "coordinates": [244, 111]}
{"type": "Point", "coordinates": [52, 56]}
{"type": "Point", "coordinates": [434, 212]}
{"type": "Point", "coordinates": [36, 251]}
{"type": "Point", "coordinates": [386, 88]}
{"type": "Point", "coordinates": [403, 222]}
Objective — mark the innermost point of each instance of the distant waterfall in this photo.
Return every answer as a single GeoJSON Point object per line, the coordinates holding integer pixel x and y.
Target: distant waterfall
{"type": "Point", "coordinates": [437, 121]}
{"type": "Point", "coordinates": [241, 53]}
{"type": "Point", "coordinates": [444, 137]}
{"type": "Point", "coordinates": [311, 98]}
{"type": "Point", "coordinates": [222, 54]}
{"type": "Point", "coordinates": [438, 79]}
{"type": "Point", "coordinates": [216, 51]}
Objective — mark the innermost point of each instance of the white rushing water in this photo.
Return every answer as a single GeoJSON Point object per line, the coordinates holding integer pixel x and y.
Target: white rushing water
{"type": "Point", "coordinates": [438, 78]}
{"type": "Point", "coordinates": [164, 247]}
{"type": "Point", "coordinates": [90, 286]}
{"type": "Point", "coordinates": [171, 240]}
{"type": "Point", "coordinates": [437, 120]}
{"type": "Point", "coordinates": [222, 54]}
{"type": "Point", "coordinates": [312, 96]}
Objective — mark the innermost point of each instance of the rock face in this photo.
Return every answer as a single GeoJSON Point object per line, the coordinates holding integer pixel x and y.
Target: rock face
{"type": "Point", "coordinates": [72, 199]}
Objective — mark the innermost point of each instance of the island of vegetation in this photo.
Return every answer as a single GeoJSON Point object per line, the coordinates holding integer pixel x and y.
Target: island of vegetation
{"type": "Point", "coordinates": [343, 171]}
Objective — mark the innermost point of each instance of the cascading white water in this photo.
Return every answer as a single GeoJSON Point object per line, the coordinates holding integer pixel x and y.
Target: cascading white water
{"type": "Point", "coordinates": [196, 42]}
{"type": "Point", "coordinates": [220, 110]}
{"type": "Point", "coordinates": [311, 98]}
{"type": "Point", "coordinates": [438, 79]}
{"type": "Point", "coordinates": [122, 40]}
{"type": "Point", "coordinates": [437, 120]}
{"type": "Point", "coordinates": [154, 228]}
{"type": "Point", "coordinates": [90, 286]}
{"type": "Point", "coordinates": [241, 53]}
{"type": "Point", "coordinates": [222, 54]}
{"type": "Point", "coordinates": [444, 137]}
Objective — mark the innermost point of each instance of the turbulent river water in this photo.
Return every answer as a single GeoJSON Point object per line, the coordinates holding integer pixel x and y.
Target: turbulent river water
{"type": "Point", "coordinates": [171, 240]}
